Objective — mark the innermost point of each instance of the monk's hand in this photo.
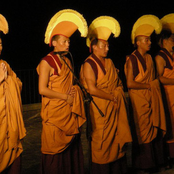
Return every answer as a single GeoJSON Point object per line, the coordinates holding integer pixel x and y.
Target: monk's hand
{"type": "Point", "coordinates": [114, 99]}
{"type": "Point", "coordinates": [3, 72]}
{"type": "Point", "coordinates": [69, 100]}
{"type": "Point", "coordinates": [117, 70]}
{"type": "Point", "coordinates": [149, 87]}
{"type": "Point", "coordinates": [72, 92]}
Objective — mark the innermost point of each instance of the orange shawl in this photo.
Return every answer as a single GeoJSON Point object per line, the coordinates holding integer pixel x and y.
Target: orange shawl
{"type": "Point", "coordinates": [169, 73]}
{"type": "Point", "coordinates": [12, 129]}
{"type": "Point", "coordinates": [147, 105]}
{"type": "Point", "coordinates": [61, 121]}
{"type": "Point", "coordinates": [111, 132]}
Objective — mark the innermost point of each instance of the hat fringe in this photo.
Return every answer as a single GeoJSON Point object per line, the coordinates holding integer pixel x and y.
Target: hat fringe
{"type": "Point", "coordinates": [169, 18]}
{"type": "Point", "coordinates": [104, 21]}
{"type": "Point", "coordinates": [3, 24]}
{"type": "Point", "coordinates": [66, 15]}
{"type": "Point", "coordinates": [147, 19]}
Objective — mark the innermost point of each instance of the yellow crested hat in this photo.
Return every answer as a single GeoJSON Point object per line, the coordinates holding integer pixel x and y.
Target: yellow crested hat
{"type": "Point", "coordinates": [168, 22]}
{"type": "Point", "coordinates": [66, 22]}
{"type": "Point", "coordinates": [145, 25]}
{"type": "Point", "coordinates": [3, 24]}
{"type": "Point", "coordinates": [101, 28]}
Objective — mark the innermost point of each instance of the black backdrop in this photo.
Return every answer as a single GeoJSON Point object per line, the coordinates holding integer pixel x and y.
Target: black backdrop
{"type": "Point", "coordinates": [24, 46]}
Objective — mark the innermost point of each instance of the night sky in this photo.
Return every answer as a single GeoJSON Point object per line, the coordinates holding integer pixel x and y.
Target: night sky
{"type": "Point", "coordinates": [24, 46]}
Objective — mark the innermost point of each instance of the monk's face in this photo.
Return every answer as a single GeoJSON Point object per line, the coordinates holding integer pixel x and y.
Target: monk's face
{"type": "Point", "coordinates": [0, 46]}
{"type": "Point", "coordinates": [102, 48]}
{"type": "Point", "coordinates": [61, 44]}
{"type": "Point", "coordinates": [169, 43]}
{"type": "Point", "coordinates": [144, 43]}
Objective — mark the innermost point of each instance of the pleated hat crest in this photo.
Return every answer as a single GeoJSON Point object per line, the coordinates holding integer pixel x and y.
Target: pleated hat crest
{"type": "Point", "coordinates": [66, 22]}
{"type": "Point", "coordinates": [3, 24]}
{"type": "Point", "coordinates": [145, 25]}
{"type": "Point", "coordinates": [168, 22]}
{"type": "Point", "coordinates": [101, 28]}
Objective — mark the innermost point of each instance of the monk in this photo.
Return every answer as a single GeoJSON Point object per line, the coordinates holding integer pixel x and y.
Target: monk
{"type": "Point", "coordinates": [111, 132]}
{"type": "Point", "coordinates": [148, 122]}
{"type": "Point", "coordinates": [12, 129]}
{"type": "Point", "coordinates": [165, 70]}
{"type": "Point", "coordinates": [62, 109]}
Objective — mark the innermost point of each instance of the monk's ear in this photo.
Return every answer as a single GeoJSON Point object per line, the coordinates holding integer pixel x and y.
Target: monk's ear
{"type": "Point", "coordinates": [94, 47]}
{"type": "Point", "coordinates": [164, 41]}
{"type": "Point", "coordinates": [138, 42]}
{"type": "Point", "coordinates": [54, 43]}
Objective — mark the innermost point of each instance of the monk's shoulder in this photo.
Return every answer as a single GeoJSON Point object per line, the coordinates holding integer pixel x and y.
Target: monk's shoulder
{"type": "Point", "coordinates": [3, 61]}
{"type": "Point", "coordinates": [47, 58]}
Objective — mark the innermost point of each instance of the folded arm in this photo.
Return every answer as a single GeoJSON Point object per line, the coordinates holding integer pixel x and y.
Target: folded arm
{"type": "Point", "coordinates": [44, 75]}
{"type": "Point", "coordinates": [131, 83]}
{"type": "Point", "coordinates": [160, 64]}
{"type": "Point", "coordinates": [91, 83]}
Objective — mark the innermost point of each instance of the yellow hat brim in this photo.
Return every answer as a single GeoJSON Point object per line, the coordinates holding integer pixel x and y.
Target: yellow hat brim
{"type": "Point", "coordinates": [3, 24]}
{"type": "Point", "coordinates": [71, 17]}
{"type": "Point", "coordinates": [145, 25]}
{"type": "Point", "coordinates": [102, 27]}
{"type": "Point", "coordinates": [168, 22]}
{"type": "Point", "coordinates": [64, 28]}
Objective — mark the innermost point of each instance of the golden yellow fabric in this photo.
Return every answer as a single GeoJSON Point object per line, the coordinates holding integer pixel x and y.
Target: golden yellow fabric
{"type": "Point", "coordinates": [148, 110]}
{"type": "Point", "coordinates": [144, 30]}
{"type": "Point", "coordinates": [102, 27]}
{"type": "Point", "coordinates": [168, 22]}
{"type": "Point", "coordinates": [145, 25]}
{"type": "Point", "coordinates": [61, 121]}
{"type": "Point", "coordinates": [12, 129]}
{"type": "Point", "coordinates": [111, 132]}
{"type": "Point", "coordinates": [101, 33]}
{"type": "Point", "coordinates": [158, 117]}
{"type": "Point", "coordinates": [168, 73]}
{"type": "Point", "coordinates": [65, 28]}
{"type": "Point", "coordinates": [3, 24]}
{"type": "Point", "coordinates": [72, 20]}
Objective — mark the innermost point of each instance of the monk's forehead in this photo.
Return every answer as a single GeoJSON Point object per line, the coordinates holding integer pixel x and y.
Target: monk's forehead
{"type": "Point", "coordinates": [102, 41]}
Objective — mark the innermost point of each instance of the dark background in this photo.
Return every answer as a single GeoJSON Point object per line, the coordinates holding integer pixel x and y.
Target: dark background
{"type": "Point", "coordinates": [24, 46]}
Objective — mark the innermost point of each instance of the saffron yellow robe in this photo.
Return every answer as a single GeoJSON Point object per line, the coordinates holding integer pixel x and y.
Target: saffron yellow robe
{"type": "Point", "coordinates": [169, 73]}
{"type": "Point", "coordinates": [12, 129]}
{"type": "Point", "coordinates": [147, 105]}
{"type": "Point", "coordinates": [61, 121]}
{"type": "Point", "coordinates": [111, 132]}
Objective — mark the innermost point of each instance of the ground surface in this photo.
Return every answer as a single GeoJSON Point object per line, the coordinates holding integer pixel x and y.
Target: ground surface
{"type": "Point", "coordinates": [31, 156]}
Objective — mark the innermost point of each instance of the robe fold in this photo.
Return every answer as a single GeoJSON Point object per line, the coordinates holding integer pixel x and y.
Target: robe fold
{"type": "Point", "coordinates": [169, 94]}
{"type": "Point", "coordinates": [147, 105]}
{"type": "Point", "coordinates": [12, 129]}
{"type": "Point", "coordinates": [60, 121]}
{"type": "Point", "coordinates": [111, 132]}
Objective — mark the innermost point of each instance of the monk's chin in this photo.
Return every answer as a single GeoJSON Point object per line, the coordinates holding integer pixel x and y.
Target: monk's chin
{"type": "Point", "coordinates": [105, 55]}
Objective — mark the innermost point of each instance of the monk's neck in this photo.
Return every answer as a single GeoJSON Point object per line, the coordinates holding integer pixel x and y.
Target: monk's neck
{"type": "Point", "coordinates": [60, 59]}
{"type": "Point", "coordinates": [102, 59]}
{"type": "Point", "coordinates": [142, 52]}
{"type": "Point", "coordinates": [170, 51]}
{"type": "Point", "coordinates": [99, 57]}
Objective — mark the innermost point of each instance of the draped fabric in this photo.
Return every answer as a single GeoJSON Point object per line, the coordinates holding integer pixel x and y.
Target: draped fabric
{"type": "Point", "coordinates": [169, 94]}
{"type": "Point", "coordinates": [61, 121]}
{"type": "Point", "coordinates": [12, 129]}
{"type": "Point", "coordinates": [111, 132]}
{"type": "Point", "coordinates": [70, 161]}
{"type": "Point", "coordinates": [147, 105]}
